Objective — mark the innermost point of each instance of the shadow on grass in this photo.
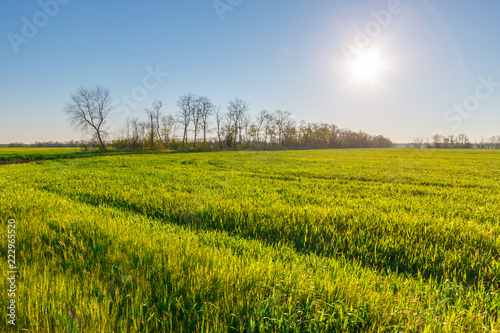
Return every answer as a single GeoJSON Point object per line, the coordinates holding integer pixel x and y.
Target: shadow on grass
{"type": "Point", "coordinates": [342, 237]}
{"type": "Point", "coordinates": [29, 158]}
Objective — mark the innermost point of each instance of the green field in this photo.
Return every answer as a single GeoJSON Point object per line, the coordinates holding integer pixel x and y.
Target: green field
{"type": "Point", "coordinates": [294, 241]}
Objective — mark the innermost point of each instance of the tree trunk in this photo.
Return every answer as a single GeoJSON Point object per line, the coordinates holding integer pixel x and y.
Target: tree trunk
{"type": "Point", "coordinates": [102, 147]}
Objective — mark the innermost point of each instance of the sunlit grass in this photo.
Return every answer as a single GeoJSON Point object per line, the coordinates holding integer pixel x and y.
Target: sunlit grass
{"type": "Point", "coordinates": [390, 240]}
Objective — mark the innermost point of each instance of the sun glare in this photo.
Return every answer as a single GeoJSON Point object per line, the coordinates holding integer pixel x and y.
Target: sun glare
{"type": "Point", "coordinates": [366, 65]}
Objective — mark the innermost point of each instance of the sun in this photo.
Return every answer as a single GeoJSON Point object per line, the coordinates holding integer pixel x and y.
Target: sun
{"type": "Point", "coordinates": [366, 65]}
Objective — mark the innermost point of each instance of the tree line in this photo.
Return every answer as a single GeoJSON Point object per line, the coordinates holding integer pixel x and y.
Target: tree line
{"type": "Point", "coordinates": [460, 141]}
{"type": "Point", "coordinates": [47, 144]}
{"type": "Point", "coordinates": [200, 124]}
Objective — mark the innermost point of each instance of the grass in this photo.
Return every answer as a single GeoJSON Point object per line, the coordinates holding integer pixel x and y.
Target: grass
{"type": "Point", "coordinates": [295, 241]}
{"type": "Point", "coordinates": [34, 154]}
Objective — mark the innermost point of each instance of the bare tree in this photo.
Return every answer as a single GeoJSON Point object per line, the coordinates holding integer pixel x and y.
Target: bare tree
{"type": "Point", "coordinates": [334, 135]}
{"type": "Point", "coordinates": [495, 142]}
{"type": "Point", "coordinates": [228, 130]}
{"type": "Point", "coordinates": [446, 142]}
{"type": "Point", "coordinates": [218, 118]}
{"type": "Point", "coordinates": [138, 133]}
{"type": "Point", "coordinates": [418, 142]}
{"type": "Point", "coordinates": [88, 111]}
{"type": "Point", "coordinates": [268, 126]}
{"type": "Point", "coordinates": [127, 128]}
{"type": "Point", "coordinates": [282, 119]}
{"type": "Point", "coordinates": [186, 105]}
{"type": "Point", "coordinates": [167, 129]}
{"type": "Point", "coordinates": [154, 115]}
{"type": "Point", "coordinates": [260, 119]}
{"type": "Point", "coordinates": [157, 106]}
{"type": "Point", "coordinates": [290, 134]}
{"type": "Point", "coordinates": [246, 121]}
{"type": "Point", "coordinates": [253, 133]}
{"type": "Point", "coordinates": [437, 138]}
{"type": "Point", "coordinates": [206, 110]}
{"type": "Point", "coordinates": [463, 141]}
{"type": "Point", "coordinates": [236, 108]}
{"type": "Point", "coordinates": [199, 110]}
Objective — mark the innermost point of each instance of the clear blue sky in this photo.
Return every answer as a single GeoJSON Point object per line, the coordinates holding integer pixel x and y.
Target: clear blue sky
{"type": "Point", "coordinates": [273, 54]}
